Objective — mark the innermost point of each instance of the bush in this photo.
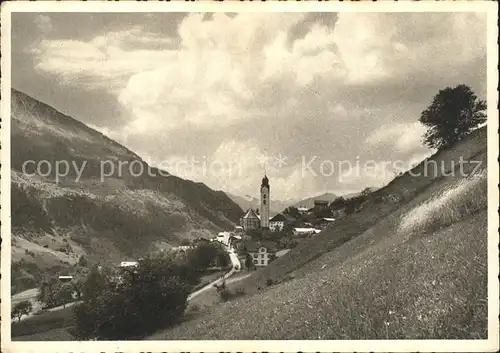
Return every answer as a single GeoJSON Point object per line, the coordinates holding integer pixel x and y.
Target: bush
{"type": "Point", "coordinates": [134, 302]}
{"type": "Point", "coordinates": [82, 261]}
{"type": "Point", "coordinates": [202, 256]}
{"type": "Point", "coordinates": [226, 295]}
{"type": "Point", "coordinates": [22, 308]}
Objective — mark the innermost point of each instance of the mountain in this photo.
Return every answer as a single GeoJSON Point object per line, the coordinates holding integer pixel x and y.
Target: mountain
{"type": "Point", "coordinates": [247, 201]}
{"type": "Point", "coordinates": [104, 209]}
{"type": "Point", "coordinates": [411, 264]}
{"type": "Point", "coordinates": [356, 194]}
{"type": "Point", "coordinates": [309, 202]}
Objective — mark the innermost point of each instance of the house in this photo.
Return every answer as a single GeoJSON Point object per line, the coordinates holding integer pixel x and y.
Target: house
{"type": "Point", "coordinates": [305, 231]}
{"type": "Point", "coordinates": [324, 222]}
{"type": "Point", "coordinates": [223, 237]}
{"type": "Point", "coordinates": [129, 264]}
{"type": "Point", "coordinates": [280, 221]}
{"type": "Point", "coordinates": [182, 248]}
{"type": "Point", "coordinates": [250, 220]}
{"type": "Point", "coordinates": [320, 205]}
{"type": "Point", "coordinates": [239, 230]}
{"type": "Point", "coordinates": [302, 209]}
{"type": "Point", "coordinates": [65, 278]}
{"type": "Point", "coordinates": [261, 253]}
{"type": "Point", "coordinates": [234, 240]}
{"type": "Point", "coordinates": [338, 213]}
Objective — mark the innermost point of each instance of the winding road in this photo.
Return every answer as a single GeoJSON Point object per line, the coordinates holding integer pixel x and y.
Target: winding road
{"type": "Point", "coordinates": [236, 268]}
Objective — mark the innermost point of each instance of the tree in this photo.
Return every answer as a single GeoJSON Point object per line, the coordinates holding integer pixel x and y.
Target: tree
{"type": "Point", "coordinates": [248, 262]}
{"type": "Point", "coordinates": [202, 256]}
{"type": "Point", "coordinates": [47, 291]}
{"type": "Point", "coordinates": [453, 114]}
{"type": "Point", "coordinates": [338, 203]}
{"type": "Point", "coordinates": [366, 192]}
{"type": "Point", "coordinates": [82, 261]}
{"type": "Point", "coordinates": [22, 308]}
{"type": "Point", "coordinates": [292, 211]}
{"type": "Point", "coordinates": [137, 302]}
{"type": "Point", "coordinates": [65, 294]}
{"type": "Point", "coordinates": [223, 259]}
{"type": "Point", "coordinates": [94, 284]}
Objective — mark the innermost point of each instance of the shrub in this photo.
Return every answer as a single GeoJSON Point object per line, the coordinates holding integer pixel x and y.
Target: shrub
{"type": "Point", "coordinates": [132, 303]}
{"type": "Point", "coordinates": [202, 256]}
{"type": "Point", "coordinates": [82, 261]}
{"type": "Point", "coordinates": [21, 308]}
{"type": "Point", "coordinates": [64, 295]}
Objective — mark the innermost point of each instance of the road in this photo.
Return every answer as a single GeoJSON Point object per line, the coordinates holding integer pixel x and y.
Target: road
{"type": "Point", "coordinates": [31, 293]}
{"type": "Point", "coordinates": [235, 263]}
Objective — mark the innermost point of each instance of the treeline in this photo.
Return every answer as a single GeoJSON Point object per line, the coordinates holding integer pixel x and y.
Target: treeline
{"type": "Point", "coordinates": [117, 303]}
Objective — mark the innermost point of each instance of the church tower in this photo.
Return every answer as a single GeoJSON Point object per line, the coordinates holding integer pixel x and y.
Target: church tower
{"type": "Point", "coordinates": [264, 202]}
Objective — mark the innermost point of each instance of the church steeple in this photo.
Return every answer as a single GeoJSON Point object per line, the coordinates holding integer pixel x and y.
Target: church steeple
{"type": "Point", "coordinates": [265, 182]}
{"type": "Point", "coordinates": [265, 199]}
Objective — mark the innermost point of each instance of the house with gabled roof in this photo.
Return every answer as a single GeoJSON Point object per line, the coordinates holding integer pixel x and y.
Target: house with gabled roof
{"type": "Point", "coordinates": [261, 252]}
{"type": "Point", "coordinates": [250, 220]}
{"type": "Point", "coordinates": [280, 221]}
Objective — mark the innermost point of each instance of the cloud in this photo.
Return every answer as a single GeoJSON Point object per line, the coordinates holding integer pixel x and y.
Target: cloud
{"type": "Point", "coordinates": [43, 23]}
{"type": "Point", "coordinates": [105, 61]}
{"type": "Point", "coordinates": [336, 86]}
{"type": "Point", "coordinates": [404, 137]}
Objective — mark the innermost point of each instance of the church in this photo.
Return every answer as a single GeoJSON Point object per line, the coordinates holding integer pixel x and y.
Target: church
{"type": "Point", "coordinates": [253, 219]}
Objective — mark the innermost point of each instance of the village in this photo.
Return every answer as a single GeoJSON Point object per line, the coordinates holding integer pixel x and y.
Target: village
{"type": "Point", "coordinates": [259, 239]}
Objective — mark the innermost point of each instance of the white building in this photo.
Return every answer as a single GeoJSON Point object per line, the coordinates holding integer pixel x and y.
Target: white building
{"type": "Point", "coordinates": [302, 209]}
{"type": "Point", "coordinates": [129, 264]}
{"type": "Point", "coordinates": [260, 252]}
{"type": "Point", "coordinates": [183, 248]}
{"type": "Point", "coordinates": [305, 231]}
{"type": "Point", "coordinates": [223, 237]}
{"type": "Point", "coordinates": [280, 221]}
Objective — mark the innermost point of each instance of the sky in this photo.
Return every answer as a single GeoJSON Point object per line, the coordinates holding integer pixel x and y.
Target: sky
{"type": "Point", "coordinates": [321, 102]}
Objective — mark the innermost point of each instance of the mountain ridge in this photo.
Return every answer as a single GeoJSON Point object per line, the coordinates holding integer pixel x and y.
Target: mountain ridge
{"type": "Point", "coordinates": [57, 220]}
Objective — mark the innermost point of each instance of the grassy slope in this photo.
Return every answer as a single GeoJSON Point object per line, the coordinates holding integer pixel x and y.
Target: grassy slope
{"type": "Point", "coordinates": [366, 278]}
{"type": "Point", "coordinates": [117, 219]}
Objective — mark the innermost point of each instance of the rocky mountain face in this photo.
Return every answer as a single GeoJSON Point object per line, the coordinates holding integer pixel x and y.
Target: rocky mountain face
{"type": "Point", "coordinates": [105, 203]}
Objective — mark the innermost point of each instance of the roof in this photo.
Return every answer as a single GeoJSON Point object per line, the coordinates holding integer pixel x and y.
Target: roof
{"type": "Point", "coordinates": [253, 246]}
{"type": "Point", "coordinates": [250, 214]}
{"type": "Point", "coordinates": [305, 230]}
{"type": "Point", "coordinates": [265, 181]}
{"type": "Point", "coordinates": [320, 202]}
{"type": "Point", "coordinates": [181, 248]}
{"type": "Point", "coordinates": [282, 217]}
{"type": "Point", "coordinates": [128, 263]}
{"type": "Point", "coordinates": [282, 252]}
{"type": "Point", "coordinates": [270, 245]}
